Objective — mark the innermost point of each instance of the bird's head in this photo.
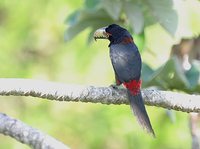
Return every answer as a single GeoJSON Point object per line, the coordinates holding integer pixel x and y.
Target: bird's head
{"type": "Point", "coordinates": [114, 33]}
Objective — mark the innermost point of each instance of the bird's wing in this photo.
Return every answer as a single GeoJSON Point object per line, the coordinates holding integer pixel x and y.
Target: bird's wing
{"type": "Point", "coordinates": [126, 61]}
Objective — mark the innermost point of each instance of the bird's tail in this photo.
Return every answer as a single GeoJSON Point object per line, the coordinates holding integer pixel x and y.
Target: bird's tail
{"type": "Point", "coordinates": [138, 108]}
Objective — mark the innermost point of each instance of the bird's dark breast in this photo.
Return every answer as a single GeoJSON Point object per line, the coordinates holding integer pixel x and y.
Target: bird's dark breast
{"type": "Point", "coordinates": [126, 62]}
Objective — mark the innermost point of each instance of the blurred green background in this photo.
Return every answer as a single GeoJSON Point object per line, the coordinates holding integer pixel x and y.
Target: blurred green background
{"type": "Point", "coordinates": [36, 42]}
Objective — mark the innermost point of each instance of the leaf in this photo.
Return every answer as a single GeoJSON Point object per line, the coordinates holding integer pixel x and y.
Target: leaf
{"type": "Point", "coordinates": [134, 14]}
{"type": "Point", "coordinates": [90, 36]}
{"type": "Point", "coordinates": [193, 74]}
{"type": "Point", "coordinates": [73, 30]}
{"type": "Point", "coordinates": [112, 7]}
{"type": "Point", "coordinates": [87, 19]}
{"type": "Point", "coordinates": [164, 13]}
{"type": "Point", "coordinates": [170, 76]}
{"type": "Point", "coordinates": [72, 18]}
{"type": "Point", "coordinates": [92, 4]}
{"type": "Point", "coordinates": [139, 39]}
{"type": "Point", "coordinates": [146, 73]}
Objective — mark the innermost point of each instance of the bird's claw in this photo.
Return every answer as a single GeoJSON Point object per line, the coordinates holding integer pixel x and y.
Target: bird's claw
{"type": "Point", "coordinates": [114, 86]}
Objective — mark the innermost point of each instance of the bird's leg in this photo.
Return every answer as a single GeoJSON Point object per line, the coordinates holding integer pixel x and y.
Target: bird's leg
{"type": "Point", "coordinates": [114, 86]}
{"type": "Point", "coordinates": [117, 84]}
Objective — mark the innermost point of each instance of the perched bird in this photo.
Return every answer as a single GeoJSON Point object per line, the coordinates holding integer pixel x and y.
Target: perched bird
{"type": "Point", "coordinates": [126, 61]}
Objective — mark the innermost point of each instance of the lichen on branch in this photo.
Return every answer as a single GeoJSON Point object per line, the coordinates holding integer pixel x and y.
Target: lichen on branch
{"type": "Point", "coordinates": [105, 95]}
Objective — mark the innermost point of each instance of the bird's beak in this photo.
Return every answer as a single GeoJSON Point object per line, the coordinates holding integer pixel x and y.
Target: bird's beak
{"type": "Point", "coordinates": [101, 34]}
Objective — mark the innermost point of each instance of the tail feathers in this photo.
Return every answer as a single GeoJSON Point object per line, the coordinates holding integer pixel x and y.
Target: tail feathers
{"type": "Point", "coordinates": [138, 108]}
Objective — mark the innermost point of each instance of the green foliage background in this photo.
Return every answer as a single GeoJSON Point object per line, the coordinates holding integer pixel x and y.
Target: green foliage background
{"type": "Point", "coordinates": [32, 46]}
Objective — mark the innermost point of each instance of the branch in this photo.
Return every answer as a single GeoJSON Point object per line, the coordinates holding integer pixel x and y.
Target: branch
{"type": "Point", "coordinates": [104, 95]}
{"type": "Point", "coordinates": [27, 134]}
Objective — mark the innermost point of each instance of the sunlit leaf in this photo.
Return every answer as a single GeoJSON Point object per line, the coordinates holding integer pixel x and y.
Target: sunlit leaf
{"type": "Point", "coordinates": [113, 7]}
{"type": "Point", "coordinates": [164, 13]}
{"type": "Point", "coordinates": [170, 76]}
{"type": "Point", "coordinates": [73, 30]}
{"type": "Point", "coordinates": [73, 18]}
{"type": "Point", "coordinates": [92, 4]}
{"type": "Point", "coordinates": [134, 14]}
{"type": "Point", "coordinates": [94, 19]}
{"type": "Point", "coordinates": [193, 74]}
{"type": "Point", "coordinates": [146, 73]}
{"type": "Point", "coordinates": [139, 40]}
{"type": "Point", "coordinates": [90, 36]}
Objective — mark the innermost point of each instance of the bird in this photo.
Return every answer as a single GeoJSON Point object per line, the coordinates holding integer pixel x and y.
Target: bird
{"type": "Point", "coordinates": [127, 64]}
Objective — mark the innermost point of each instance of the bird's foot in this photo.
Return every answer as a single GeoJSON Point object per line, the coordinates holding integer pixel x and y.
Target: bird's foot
{"type": "Point", "coordinates": [114, 86]}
